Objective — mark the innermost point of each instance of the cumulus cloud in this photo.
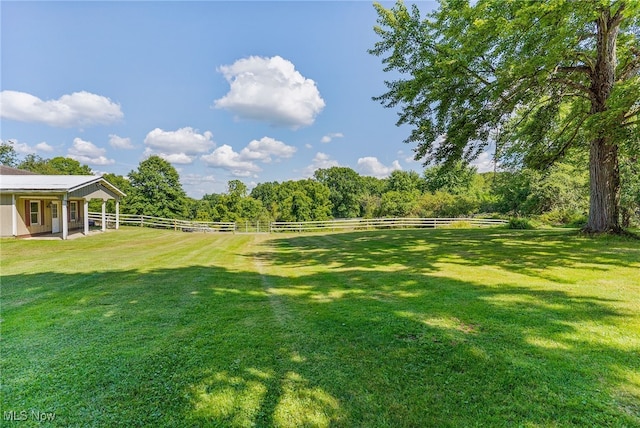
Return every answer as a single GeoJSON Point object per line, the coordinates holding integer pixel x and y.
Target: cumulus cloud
{"type": "Point", "coordinates": [265, 148]}
{"type": "Point", "coordinates": [372, 166]}
{"type": "Point", "coordinates": [327, 138]}
{"type": "Point", "coordinates": [406, 157]}
{"type": "Point", "coordinates": [243, 164]}
{"type": "Point", "coordinates": [88, 153]}
{"type": "Point", "coordinates": [484, 162]}
{"type": "Point", "coordinates": [270, 90]}
{"type": "Point", "coordinates": [224, 157]}
{"type": "Point", "coordinates": [44, 147]}
{"type": "Point", "coordinates": [25, 149]}
{"type": "Point", "coordinates": [196, 179]}
{"type": "Point", "coordinates": [320, 161]}
{"type": "Point", "coordinates": [77, 109]}
{"type": "Point", "coordinates": [180, 146]}
{"type": "Point", "coordinates": [120, 143]}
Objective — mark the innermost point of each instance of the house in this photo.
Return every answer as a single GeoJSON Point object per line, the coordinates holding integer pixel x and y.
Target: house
{"type": "Point", "coordinates": [32, 204]}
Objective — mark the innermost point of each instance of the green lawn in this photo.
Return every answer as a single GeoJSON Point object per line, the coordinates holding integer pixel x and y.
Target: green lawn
{"type": "Point", "coordinates": [392, 328]}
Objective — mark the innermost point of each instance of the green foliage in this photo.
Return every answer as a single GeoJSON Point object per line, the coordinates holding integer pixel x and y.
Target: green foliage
{"type": "Point", "coordinates": [68, 166]}
{"type": "Point", "coordinates": [398, 203]}
{"type": "Point", "coordinates": [529, 76]}
{"type": "Point", "coordinates": [559, 217]}
{"type": "Point", "coordinates": [520, 223]}
{"type": "Point", "coordinates": [303, 200]}
{"type": "Point", "coordinates": [344, 190]}
{"type": "Point", "coordinates": [156, 190]}
{"type": "Point", "coordinates": [56, 166]}
{"type": "Point", "coordinates": [8, 154]}
{"type": "Point", "coordinates": [404, 181]}
{"type": "Point", "coordinates": [455, 179]}
{"type": "Point", "coordinates": [442, 204]}
{"type": "Point", "coordinates": [630, 190]}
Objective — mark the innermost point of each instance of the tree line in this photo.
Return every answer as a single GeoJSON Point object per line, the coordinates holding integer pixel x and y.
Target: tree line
{"type": "Point", "coordinates": [558, 195]}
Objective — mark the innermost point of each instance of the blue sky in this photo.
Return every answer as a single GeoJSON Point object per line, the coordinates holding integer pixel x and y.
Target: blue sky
{"type": "Point", "coordinates": [256, 91]}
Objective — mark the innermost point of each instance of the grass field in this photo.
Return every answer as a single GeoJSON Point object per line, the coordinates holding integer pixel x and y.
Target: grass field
{"type": "Point", "coordinates": [394, 328]}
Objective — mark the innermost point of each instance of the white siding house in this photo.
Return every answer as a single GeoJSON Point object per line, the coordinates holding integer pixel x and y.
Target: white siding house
{"type": "Point", "coordinates": [33, 204]}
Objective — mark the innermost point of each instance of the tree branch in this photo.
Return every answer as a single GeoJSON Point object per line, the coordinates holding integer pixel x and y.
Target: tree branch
{"type": "Point", "coordinates": [617, 18]}
{"type": "Point", "coordinates": [573, 68]}
{"type": "Point", "coordinates": [575, 85]}
{"type": "Point", "coordinates": [631, 67]}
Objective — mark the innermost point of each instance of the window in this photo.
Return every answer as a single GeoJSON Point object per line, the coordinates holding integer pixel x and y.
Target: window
{"type": "Point", "coordinates": [34, 212]}
{"type": "Point", "coordinates": [73, 211]}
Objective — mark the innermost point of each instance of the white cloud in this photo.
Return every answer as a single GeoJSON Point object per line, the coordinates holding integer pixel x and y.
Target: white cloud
{"type": "Point", "coordinates": [408, 158]}
{"type": "Point", "coordinates": [119, 142]}
{"type": "Point", "coordinates": [484, 162]}
{"type": "Point", "coordinates": [197, 179]}
{"type": "Point", "coordinates": [308, 146]}
{"type": "Point", "coordinates": [327, 138]}
{"type": "Point", "coordinates": [184, 140]}
{"type": "Point", "coordinates": [177, 158]}
{"type": "Point", "coordinates": [25, 149]}
{"type": "Point", "coordinates": [78, 109]}
{"type": "Point", "coordinates": [224, 157]}
{"type": "Point", "coordinates": [243, 164]}
{"type": "Point", "coordinates": [44, 147]}
{"type": "Point", "coordinates": [270, 90]}
{"type": "Point", "coordinates": [88, 153]}
{"type": "Point", "coordinates": [320, 160]}
{"type": "Point", "coordinates": [180, 146]}
{"type": "Point", "coordinates": [266, 147]}
{"type": "Point", "coordinates": [372, 166]}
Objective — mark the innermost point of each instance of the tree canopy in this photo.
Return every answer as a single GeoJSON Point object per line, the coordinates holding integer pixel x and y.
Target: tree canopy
{"type": "Point", "coordinates": [156, 190]}
{"type": "Point", "coordinates": [538, 79]}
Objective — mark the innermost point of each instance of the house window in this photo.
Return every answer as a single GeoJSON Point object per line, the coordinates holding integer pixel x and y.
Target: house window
{"type": "Point", "coordinates": [34, 212]}
{"type": "Point", "coordinates": [73, 211]}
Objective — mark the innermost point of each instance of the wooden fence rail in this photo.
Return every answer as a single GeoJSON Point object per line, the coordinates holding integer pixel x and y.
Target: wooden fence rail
{"type": "Point", "coordinates": [166, 223]}
{"type": "Point", "coordinates": [303, 226]}
{"type": "Point", "coordinates": [383, 223]}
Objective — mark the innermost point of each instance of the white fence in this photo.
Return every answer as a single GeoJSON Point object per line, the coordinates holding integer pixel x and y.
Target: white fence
{"type": "Point", "coordinates": [294, 226]}
{"type": "Point", "coordinates": [382, 223]}
{"type": "Point", "coordinates": [166, 223]}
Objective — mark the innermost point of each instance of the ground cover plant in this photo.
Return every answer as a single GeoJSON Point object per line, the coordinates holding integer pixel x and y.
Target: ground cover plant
{"type": "Point", "coordinates": [454, 327]}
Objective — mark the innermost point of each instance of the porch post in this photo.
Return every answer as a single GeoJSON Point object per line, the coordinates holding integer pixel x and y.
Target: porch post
{"type": "Point", "coordinates": [65, 217]}
{"type": "Point", "coordinates": [117, 213]}
{"type": "Point", "coordinates": [104, 215]}
{"type": "Point", "coordinates": [14, 215]}
{"type": "Point", "coordinates": [86, 216]}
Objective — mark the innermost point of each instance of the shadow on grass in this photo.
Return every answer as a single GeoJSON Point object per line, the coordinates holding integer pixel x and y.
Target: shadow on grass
{"type": "Point", "coordinates": [369, 335]}
{"type": "Point", "coordinates": [527, 252]}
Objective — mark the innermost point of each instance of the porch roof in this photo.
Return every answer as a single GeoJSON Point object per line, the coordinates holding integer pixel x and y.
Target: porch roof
{"type": "Point", "coordinates": [52, 183]}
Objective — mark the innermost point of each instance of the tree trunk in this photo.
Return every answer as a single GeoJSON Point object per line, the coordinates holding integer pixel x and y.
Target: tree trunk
{"type": "Point", "coordinates": [604, 188]}
{"type": "Point", "coordinates": [604, 207]}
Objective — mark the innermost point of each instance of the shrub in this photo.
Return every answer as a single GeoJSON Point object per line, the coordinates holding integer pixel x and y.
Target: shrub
{"type": "Point", "coordinates": [459, 225]}
{"type": "Point", "coordinates": [519, 223]}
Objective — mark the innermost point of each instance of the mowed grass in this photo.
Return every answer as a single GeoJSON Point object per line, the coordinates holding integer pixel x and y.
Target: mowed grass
{"type": "Point", "coordinates": [394, 328]}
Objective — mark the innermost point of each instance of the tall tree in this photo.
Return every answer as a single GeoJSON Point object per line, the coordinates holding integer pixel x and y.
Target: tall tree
{"type": "Point", "coordinates": [58, 165]}
{"type": "Point", "coordinates": [539, 78]}
{"type": "Point", "coordinates": [156, 190]}
{"type": "Point", "coordinates": [68, 166]}
{"type": "Point", "coordinates": [8, 154]}
{"type": "Point", "coordinates": [345, 190]}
